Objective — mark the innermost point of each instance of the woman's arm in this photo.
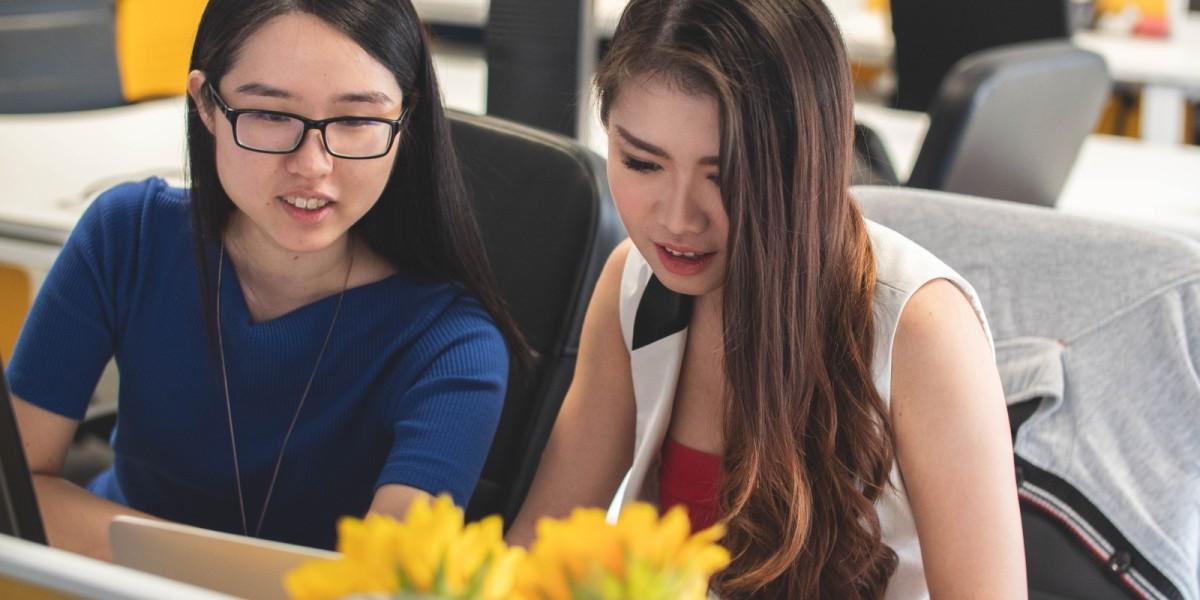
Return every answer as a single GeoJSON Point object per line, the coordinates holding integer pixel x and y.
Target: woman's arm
{"type": "Point", "coordinates": [954, 449]}
{"type": "Point", "coordinates": [74, 519]}
{"type": "Point", "coordinates": [591, 445]}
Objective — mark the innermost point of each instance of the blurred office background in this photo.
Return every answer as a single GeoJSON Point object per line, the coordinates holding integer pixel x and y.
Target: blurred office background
{"type": "Point", "coordinates": [1088, 107]}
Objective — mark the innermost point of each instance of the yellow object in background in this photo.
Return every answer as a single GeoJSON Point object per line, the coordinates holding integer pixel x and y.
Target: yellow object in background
{"type": "Point", "coordinates": [154, 45]}
{"type": "Point", "coordinates": [14, 304]}
{"type": "Point", "coordinates": [880, 6]}
{"type": "Point", "coordinates": [1149, 9]}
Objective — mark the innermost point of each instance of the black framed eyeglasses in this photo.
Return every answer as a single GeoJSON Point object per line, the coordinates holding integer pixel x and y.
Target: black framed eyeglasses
{"type": "Point", "coordinates": [275, 132]}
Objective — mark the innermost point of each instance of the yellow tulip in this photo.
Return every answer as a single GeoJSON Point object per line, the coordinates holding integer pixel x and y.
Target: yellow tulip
{"type": "Point", "coordinates": [583, 557]}
{"type": "Point", "coordinates": [321, 580]}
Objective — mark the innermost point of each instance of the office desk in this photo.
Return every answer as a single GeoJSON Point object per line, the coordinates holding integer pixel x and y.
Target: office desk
{"type": "Point", "coordinates": [1118, 179]}
{"type": "Point", "coordinates": [52, 166]}
{"type": "Point", "coordinates": [1167, 70]}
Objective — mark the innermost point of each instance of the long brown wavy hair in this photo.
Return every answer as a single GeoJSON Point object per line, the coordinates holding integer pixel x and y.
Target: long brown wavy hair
{"type": "Point", "coordinates": [807, 439]}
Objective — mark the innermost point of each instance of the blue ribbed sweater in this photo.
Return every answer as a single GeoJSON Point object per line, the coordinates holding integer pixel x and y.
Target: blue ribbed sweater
{"type": "Point", "coordinates": [409, 391]}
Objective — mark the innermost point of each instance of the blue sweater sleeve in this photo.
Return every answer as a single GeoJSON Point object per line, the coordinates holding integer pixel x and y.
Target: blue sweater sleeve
{"type": "Point", "coordinates": [73, 327]}
{"type": "Point", "coordinates": [444, 422]}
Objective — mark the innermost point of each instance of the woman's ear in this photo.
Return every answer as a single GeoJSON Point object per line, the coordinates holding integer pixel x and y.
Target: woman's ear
{"type": "Point", "coordinates": [204, 106]}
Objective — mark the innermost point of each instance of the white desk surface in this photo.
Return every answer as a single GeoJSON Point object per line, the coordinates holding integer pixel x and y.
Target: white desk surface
{"type": "Point", "coordinates": [1173, 62]}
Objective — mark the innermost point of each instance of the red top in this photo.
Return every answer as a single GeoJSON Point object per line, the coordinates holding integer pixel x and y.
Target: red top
{"type": "Point", "coordinates": [689, 477]}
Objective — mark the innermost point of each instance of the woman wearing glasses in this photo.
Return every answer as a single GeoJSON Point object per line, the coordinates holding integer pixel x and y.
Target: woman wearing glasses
{"type": "Point", "coordinates": [761, 354]}
{"type": "Point", "coordinates": [310, 329]}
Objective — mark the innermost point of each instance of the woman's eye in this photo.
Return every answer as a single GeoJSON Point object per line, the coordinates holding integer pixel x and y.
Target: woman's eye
{"type": "Point", "coordinates": [266, 117]}
{"type": "Point", "coordinates": [715, 178]}
{"type": "Point", "coordinates": [359, 123]}
{"type": "Point", "coordinates": [640, 166]}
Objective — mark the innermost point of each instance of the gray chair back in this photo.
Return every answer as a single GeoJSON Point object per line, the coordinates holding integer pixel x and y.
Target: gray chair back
{"type": "Point", "coordinates": [1008, 122]}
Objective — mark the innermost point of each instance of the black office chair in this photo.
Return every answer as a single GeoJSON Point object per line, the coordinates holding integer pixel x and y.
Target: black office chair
{"type": "Point", "coordinates": [932, 35]}
{"type": "Point", "coordinates": [58, 55]}
{"type": "Point", "coordinates": [1085, 407]}
{"type": "Point", "coordinates": [1008, 123]}
{"type": "Point", "coordinates": [548, 222]}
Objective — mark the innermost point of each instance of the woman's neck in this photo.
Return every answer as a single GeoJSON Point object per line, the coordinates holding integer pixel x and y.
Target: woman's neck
{"type": "Point", "coordinates": [276, 281]}
{"type": "Point", "coordinates": [709, 309]}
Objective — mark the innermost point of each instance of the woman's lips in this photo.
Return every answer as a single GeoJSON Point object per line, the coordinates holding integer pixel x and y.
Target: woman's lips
{"type": "Point", "coordinates": [683, 265]}
{"type": "Point", "coordinates": [306, 216]}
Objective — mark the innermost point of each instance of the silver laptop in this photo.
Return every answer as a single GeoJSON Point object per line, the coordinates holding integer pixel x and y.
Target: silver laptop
{"type": "Point", "coordinates": [232, 564]}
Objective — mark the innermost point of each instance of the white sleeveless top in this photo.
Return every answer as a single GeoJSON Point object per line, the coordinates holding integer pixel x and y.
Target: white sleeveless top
{"type": "Point", "coordinates": [654, 325]}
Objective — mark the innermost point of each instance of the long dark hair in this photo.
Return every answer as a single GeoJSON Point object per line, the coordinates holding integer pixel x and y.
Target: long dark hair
{"type": "Point", "coordinates": [423, 222]}
{"type": "Point", "coordinates": [807, 438]}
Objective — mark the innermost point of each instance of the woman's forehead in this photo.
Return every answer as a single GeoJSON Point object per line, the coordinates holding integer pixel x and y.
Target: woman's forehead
{"type": "Point", "coordinates": [306, 57]}
{"type": "Point", "coordinates": [664, 114]}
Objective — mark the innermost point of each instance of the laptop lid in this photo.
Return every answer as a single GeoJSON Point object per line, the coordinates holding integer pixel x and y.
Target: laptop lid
{"type": "Point", "coordinates": [19, 516]}
{"type": "Point", "coordinates": [228, 563]}
{"type": "Point", "coordinates": [30, 571]}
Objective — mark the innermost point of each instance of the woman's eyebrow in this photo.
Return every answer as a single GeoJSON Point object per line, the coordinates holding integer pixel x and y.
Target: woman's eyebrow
{"type": "Point", "coordinates": [641, 144]}
{"type": "Point", "coordinates": [655, 150]}
{"type": "Point", "coordinates": [366, 97]}
{"type": "Point", "coordinates": [256, 88]}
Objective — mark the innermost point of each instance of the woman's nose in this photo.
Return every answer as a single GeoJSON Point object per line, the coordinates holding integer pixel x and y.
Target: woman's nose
{"type": "Point", "coordinates": [311, 159]}
{"type": "Point", "coordinates": [681, 213]}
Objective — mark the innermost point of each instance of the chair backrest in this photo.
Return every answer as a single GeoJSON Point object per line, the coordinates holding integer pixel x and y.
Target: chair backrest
{"type": "Point", "coordinates": [548, 222]}
{"type": "Point", "coordinates": [1096, 325]}
{"type": "Point", "coordinates": [1008, 122]}
{"type": "Point", "coordinates": [932, 35]}
{"type": "Point", "coordinates": [57, 55]}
